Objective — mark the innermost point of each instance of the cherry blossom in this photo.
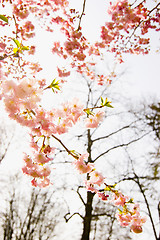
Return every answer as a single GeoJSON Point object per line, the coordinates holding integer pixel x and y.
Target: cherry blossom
{"type": "Point", "coordinates": [81, 166]}
{"type": "Point", "coordinates": [22, 89]}
{"type": "Point", "coordinates": [93, 120]}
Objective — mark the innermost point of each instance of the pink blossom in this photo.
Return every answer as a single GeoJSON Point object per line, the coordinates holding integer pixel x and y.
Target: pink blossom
{"type": "Point", "coordinates": [41, 158]}
{"type": "Point", "coordinates": [96, 178]}
{"type": "Point", "coordinates": [2, 46]}
{"type": "Point", "coordinates": [81, 166]}
{"type": "Point", "coordinates": [136, 228]}
{"type": "Point", "coordinates": [124, 218]}
{"type": "Point", "coordinates": [93, 121]}
{"type": "Point", "coordinates": [119, 199]}
{"type": "Point", "coordinates": [102, 196]}
{"type": "Point", "coordinates": [40, 182]}
{"type": "Point", "coordinates": [90, 187]}
{"type": "Point", "coordinates": [63, 73]}
{"type": "Point", "coordinates": [28, 161]}
{"type": "Point", "coordinates": [21, 12]}
{"type": "Point", "coordinates": [32, 50]}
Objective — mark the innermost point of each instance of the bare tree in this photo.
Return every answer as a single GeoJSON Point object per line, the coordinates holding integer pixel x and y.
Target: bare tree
{"type": "Point", "coordinates": [30, 214]}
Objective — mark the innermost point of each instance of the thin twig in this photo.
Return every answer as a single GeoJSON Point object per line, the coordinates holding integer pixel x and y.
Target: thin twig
{"type": "Point", "coordinates": [76, 213]}
{"type": "Point", "coordinates": [68, 151]}
{"type": "Point", "coordinates": [147, 205]}
{"type": "Point", "coordinates": [80, 18]}
{"type": "Point", "coordinates": [80, 196]}
{"type": "Point", "coordinates": [109, 135]}
{"type": "Point", "coordinates": [121, 145]}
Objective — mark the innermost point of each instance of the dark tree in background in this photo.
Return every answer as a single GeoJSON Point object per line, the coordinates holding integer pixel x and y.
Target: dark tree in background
{"type": "Point", "coordinates": [153, 118]}
{"type": "Point", "coordinates": [30, 214]}
{"type": "Point", "coordinates": [6, 136]}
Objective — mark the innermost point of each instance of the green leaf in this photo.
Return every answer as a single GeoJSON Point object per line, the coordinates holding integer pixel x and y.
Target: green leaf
{"type": "Point", "coordinates": [88, 111]}
{"type": "Point", "coordinates": [15, 50]}
{"type": "Point", "coordinates": [17, 42]}
{"type": "Point", "coordinates": [130, 201]}
{"type": "Point", "coordinates": [108, 105]}
{"type": "Point", "coordinates": [107, 188]}
{"type": "Point", "coordinates": [57, 87]}
{"type": "Point", "coordinates": [54, 84]}
{"type": "Point", "coordinates": [102, 101]}
{"type": "Point", "coordinates": [3, 18]}
{"type": "Point", "coordinates": [25, 48]}
{"type": "Point", "coordinates": [120, 211]}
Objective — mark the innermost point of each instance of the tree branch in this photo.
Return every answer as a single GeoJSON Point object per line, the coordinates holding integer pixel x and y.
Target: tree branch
{"type": "Point", "coordinates": [76, 213]}
{"type": "Point", "coordinates": [159, 218]}
{"type": "Point", "coordinates": [147, 204]}
{"type": "Point", "coordinates": [102, 214]}
{"type": "Point", "coordinates": [80, 195]}
{"type": "Point", "coordinates": [67, 150]}
{"type": "Point", "coordinates": [121, 145]}
{"type": "Point", "coordinates": [80, 18]}
{"type": "Point", "coordinates": [109, 135]}
{"type": "Point", "coordinates": [10, 55]}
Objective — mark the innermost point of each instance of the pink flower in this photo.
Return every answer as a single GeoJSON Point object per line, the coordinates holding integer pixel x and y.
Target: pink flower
{"type": "Point", "coordinates": [2, 46]}
{"type": "Point", "coordinates": [102, 196]}
{"type": "Point", "coordinates": [90, 187]}
{"type": "Point", "coordinates": [119, 199]}
{"type": "Point", "coordinates": [28, 161]}
{"type": "Point", "coordinates": [96, 178]}
{"type": "Point", "coordinates": [124, 218]}
{"type": "Point", "coordinates": [137, 222]}
{"type": "Point", "coordinates": [93, 121]}
{"type": "Point", "coordinates": [81, 166]}
{"type": "Point", "coordinates": [41, 158]}
{"type": "Point", "coordinates": [63, 73]}
{"type": "Point", "coordinates": [40, 182]}
{"type": "Point", "coordinates": [136, 228]}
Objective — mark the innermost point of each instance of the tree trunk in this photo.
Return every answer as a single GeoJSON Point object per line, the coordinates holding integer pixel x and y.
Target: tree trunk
{"type": "Point", "coordinates": [88, 206]}
{"type": "Point", "coordinates": [88, 217]}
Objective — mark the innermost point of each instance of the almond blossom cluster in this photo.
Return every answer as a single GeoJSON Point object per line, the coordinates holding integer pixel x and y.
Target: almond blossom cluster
{"type": "Point", "coordinates": [120, 34]}
{"type": "Point", "coordinates": [131, 217]}
{"type": "Point", "coordinates": [20, 99]}
{"type": "Point", "coordinates": [38, 166]}
{"type": "Point", "coordinates": [36, 169]}
{"type": "Point", "coordinates": [128, 212]}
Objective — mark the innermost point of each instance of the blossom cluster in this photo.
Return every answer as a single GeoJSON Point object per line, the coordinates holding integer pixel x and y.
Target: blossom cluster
{"type": "Point", "coordinates": [22, 89]}
{"type": "Point", "coordinates": [38, 166]}
{"type": "Point", "coordinates": [129, 215]}
{"type": "Point", "coordinates": [119, 34]}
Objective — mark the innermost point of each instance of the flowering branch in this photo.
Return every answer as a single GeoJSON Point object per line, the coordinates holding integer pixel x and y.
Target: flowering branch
{"type": "Point", "coordinates": [68, 151]}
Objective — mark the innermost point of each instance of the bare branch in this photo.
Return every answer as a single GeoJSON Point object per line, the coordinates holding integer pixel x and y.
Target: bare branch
{"type": "Point", "coordinates": [76, 213]}
{"type": "Point", "coordinates": [102, 214]}
{"type": "Point", "coordinates": [80, 196]}
{"type": "Point", "coordinates": [121, 145]}
{"type": "Point", "coordinates": [80, 18]}
{"type": "Point", "coordinates": [147, 204]}
{"type": "Point", "coordinates": [159, 218]}
{"type": "Point", "coordinates": [109, 135]}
